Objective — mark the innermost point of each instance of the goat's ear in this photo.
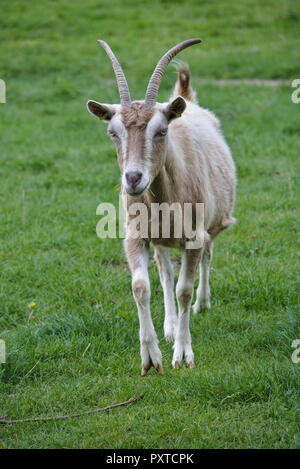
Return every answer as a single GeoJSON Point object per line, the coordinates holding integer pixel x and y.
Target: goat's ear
{"type": "Point", "coordinates": [103, 111]}
{"type": "Point", "coordinates": [175, 108]}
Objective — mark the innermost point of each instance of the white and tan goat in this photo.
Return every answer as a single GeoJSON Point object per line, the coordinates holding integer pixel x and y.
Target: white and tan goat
{"type": "Point", "coordinates": [169, 153]}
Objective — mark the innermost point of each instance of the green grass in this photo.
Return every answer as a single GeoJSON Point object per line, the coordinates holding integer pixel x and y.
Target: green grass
{"type": "Point", "coordinates": [57, 165]}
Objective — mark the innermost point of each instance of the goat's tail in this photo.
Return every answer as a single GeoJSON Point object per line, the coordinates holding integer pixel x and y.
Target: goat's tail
{"type": "Point", "coordinates": [183, 85]}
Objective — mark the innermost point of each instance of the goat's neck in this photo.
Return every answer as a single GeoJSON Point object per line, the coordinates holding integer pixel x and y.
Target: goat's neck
{"type": "Point", "coordinates": [160, 190]}
{"type": "Point", "coordinates": [163, 187]}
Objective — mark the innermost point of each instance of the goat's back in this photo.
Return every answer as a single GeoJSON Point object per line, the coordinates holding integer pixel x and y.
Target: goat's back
{"type": "Point", "coordinates": [207, 170]}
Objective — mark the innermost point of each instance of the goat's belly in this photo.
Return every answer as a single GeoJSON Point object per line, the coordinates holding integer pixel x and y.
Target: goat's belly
{"type": "Point", "coordinates": [168, 242]}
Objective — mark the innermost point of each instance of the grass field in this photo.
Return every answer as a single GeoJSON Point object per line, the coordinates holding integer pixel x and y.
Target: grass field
{"type": "Point", "coordinates": [77, 348]}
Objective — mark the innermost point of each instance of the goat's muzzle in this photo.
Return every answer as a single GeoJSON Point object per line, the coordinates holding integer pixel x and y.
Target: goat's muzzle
{"type": "Point", "coordinates": [135, 183]}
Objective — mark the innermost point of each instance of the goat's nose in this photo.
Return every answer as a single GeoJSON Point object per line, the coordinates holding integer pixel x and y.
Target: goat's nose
{"type": "Point", "coordinates": [133, 178]}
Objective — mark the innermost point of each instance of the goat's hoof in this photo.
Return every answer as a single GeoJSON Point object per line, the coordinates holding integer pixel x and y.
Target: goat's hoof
{"type": "Point", "coordinates": [170, 331]}
{"type": "Point", "coordinates": [145, 369]}
{"type": "Point", "coordinates": [189, 365]}
{"type": "Point", "coordinates": [170, 336]}
{"type": "Point", "coordinates": [182, 353]}
{"type": "Point", "coordinates": [203, 305]}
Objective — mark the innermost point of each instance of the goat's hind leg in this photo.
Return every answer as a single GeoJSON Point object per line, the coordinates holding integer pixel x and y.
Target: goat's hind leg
{"type": "Point", "coordinates": [184, 292]}
{"type": "Point", "coordinates": [203, 291]}
{"type": "Point", "coordinates": [163, 261]}
{"type": "Point", "coordinates": [138, 256]}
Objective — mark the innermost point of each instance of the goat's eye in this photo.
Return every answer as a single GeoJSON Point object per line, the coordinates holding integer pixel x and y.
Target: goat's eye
{"type": "Point", "coordinates": [113, 134]}
{"type": "Point", "coordinates": [161, 133]}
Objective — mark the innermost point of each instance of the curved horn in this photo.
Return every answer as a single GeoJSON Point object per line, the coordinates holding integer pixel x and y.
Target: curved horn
{"type": "Point", "coordinates": [121, 80]}
{"type": "Point", "coordinates": [153, 86]}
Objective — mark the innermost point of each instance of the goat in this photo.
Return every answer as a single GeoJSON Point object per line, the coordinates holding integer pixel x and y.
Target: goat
{"type": "Point", "coordinates": [170, 152]}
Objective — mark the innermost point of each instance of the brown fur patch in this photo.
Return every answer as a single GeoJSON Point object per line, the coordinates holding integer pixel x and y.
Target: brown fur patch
{"type": "Point", "coordinates": [136, 143]}
{"type": "Point", "coordinates": [184, 82]}
{"type": "Point", "coordinates": [139, 290]}
{"type": "Point", "coordinates": [136, 115]}
{"type": "Point", "coordinates": [183, 86]}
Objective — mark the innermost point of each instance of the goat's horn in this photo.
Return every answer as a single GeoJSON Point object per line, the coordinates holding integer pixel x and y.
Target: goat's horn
{"type": "Point", "coordinates": [121, 80]}
{"type": "Point", "coordinates": [153, 86]}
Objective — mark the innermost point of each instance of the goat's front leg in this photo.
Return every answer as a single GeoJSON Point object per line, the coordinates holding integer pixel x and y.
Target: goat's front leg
{"type": "Point", "coordinates": [138, 256]}
{"type": "Point", "coordinates": [184, 292]}
{"type": "Point", "coordinates": [163, 261]}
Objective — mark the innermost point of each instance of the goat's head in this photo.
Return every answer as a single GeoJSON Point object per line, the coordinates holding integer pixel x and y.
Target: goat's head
{"type": "Point", "coordinates": [139, 129]}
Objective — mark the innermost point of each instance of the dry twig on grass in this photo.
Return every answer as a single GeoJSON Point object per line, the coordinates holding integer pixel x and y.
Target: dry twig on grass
{"type": "Point", "coordinates": [64, 417]}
